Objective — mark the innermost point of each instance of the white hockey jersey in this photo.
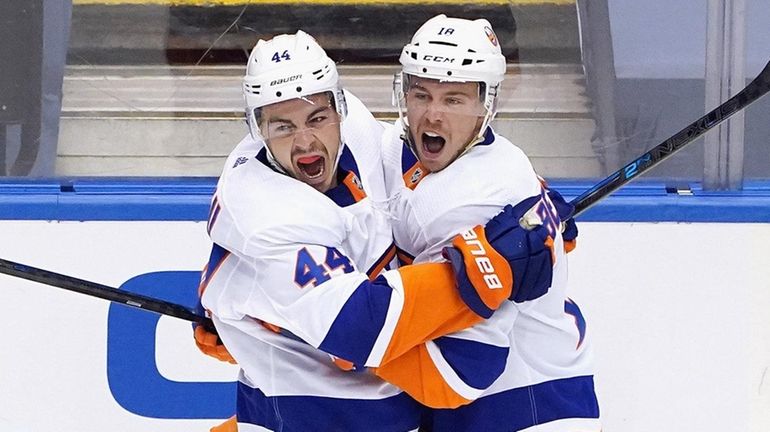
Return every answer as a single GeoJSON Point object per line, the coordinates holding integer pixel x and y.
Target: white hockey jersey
{"type": "Point", "coordinates": [288, 260]}
{"type": "Point", "coordinates": [531, 362]}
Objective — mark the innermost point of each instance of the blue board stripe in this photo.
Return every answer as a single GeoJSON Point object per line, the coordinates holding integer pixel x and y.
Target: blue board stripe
{"type": "Point", "coordinates": [189, 198]}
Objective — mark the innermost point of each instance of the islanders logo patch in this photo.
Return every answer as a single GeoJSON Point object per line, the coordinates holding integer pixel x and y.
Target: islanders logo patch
{"type": "Point", "coordinates": [491, 35]}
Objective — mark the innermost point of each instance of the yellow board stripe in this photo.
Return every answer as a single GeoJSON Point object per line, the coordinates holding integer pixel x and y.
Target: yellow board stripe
{"type": "Point", "coordinates": [318, 2]}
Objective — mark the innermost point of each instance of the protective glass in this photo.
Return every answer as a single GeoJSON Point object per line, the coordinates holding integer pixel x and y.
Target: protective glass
{"type": "Point", "coordinates": [424, 96]}
{"type": "Point", "coordinates": [309, 116]}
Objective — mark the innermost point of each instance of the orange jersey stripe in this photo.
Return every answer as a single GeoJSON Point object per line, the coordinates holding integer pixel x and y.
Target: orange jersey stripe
{"type": "Point", "coordinates": [202, 283]}
{"type": "Point", "coordinates": [415, 373]}
{"type": "Point", "coordinates": [405, 258]}
{"type": "Point", "coordinates": [272, 327]}
{"type": "Point", "coordinates": [432, 308]}
{"type": "Point", "coordinates": [343, 364]}
{"type": "Point", "coordinates": [549, 245]}
{"type": "Point", "coordinates": [382, 262]}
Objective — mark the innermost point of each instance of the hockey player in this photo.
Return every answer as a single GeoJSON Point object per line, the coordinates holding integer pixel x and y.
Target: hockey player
{"type": "Point", "coordinates": [529, 367]}
{"type": "Point", "coordinates": [302, 243]}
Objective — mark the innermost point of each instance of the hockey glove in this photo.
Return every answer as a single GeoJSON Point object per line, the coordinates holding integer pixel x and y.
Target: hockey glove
{"type": "Point", "coordinates": [502, 260]}
{"type": "Point", "coordinates": [208, 342]}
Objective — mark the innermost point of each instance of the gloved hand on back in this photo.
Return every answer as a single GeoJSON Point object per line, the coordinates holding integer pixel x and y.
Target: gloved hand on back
{"type": "Point", "coordinates": [504, 261]}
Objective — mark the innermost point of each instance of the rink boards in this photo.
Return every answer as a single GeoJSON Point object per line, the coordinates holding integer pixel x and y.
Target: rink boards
{"type": "Point", "coordinates": [674, 288]}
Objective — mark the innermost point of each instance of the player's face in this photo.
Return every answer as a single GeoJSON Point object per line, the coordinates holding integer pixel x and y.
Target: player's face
{"type": "Point", "coordinates": [443, 118]}
{"type": "Point", "coordinates": [304, 136]}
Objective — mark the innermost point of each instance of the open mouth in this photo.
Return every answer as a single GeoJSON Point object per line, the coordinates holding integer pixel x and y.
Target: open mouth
{"type": "Point", "coordinates": [432, 142]}
{"type": "Point", "coordinates": [311, 167]}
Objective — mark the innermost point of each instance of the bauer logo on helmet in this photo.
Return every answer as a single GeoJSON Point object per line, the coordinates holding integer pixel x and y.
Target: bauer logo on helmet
{"type": "Point", "coordinates": [285, 80]}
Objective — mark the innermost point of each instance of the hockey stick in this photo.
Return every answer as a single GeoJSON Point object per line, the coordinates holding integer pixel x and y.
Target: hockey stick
{"type": "Point", "coordinates": [102, 291]}
{"type": "Point", "coordinates": [755, 90]}
{"type": "Point", "coordinates": [115, 295]}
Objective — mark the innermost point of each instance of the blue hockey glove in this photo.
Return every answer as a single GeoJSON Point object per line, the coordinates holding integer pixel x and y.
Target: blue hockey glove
{"type": "Point", "coordinates": [529, 252]}
{"type": "Point", "coordinates": [502, 259]}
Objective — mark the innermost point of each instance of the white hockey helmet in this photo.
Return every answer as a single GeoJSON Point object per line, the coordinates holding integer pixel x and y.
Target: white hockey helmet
{"type": "Point", "coordinates": [453, 50]}
{"type": "Point", "coordinates": [286, 67]}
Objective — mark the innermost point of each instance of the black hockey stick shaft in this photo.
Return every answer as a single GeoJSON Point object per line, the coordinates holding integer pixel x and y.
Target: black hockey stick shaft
{"type": "Point", "coordinates": [102, 291]}
{"type": "Point", "coordinates": [105, 292]}
{"type": "Point", "coordinates": [755, 90]}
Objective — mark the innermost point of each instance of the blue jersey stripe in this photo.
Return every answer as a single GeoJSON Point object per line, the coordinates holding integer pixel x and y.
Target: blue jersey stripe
{"type": "Point", "coordinates": [489, 137]}
{"type": "Point", "coordinates": [382, 262]}
{"type": "Point", "coordinates": [354, 331]}
{"type": "Point", "coordinates": [341, 194]}
{"type": "Point", "coordinates": [216, 258]}
{"type": "Point", "coordinates": [398, 413]}
{"type": "Point", "coordinates": [408, 159]}
{"type": "Point", "coordinates": [520, 408]}
{"type": "Point", "coordinates": [476, 363]}
{"type": "Point", "coordinates": [571, 308]}
{"type": "Point", "coordinates": [213, 218]}
{"type": "Point", "coordinates": [214, 204]}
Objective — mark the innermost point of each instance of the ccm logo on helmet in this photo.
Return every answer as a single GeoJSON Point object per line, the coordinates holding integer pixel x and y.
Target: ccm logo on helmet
{"type": "Point", "coordinates": [285, 80]}
{"type": "Point", "coordinates": [482, 260]}
{"type": "Point", "coordinates": [438, 59]}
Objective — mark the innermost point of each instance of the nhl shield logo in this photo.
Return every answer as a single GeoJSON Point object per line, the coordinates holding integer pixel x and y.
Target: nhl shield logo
{"type": "Point", "coordinates": [357, 182]}
{"type": "Point", "coordinates": [416, 176]}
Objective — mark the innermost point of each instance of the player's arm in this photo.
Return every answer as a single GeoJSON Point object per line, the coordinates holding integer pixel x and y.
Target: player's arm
{"type": "Point", "coordinates": [487, 265]}
{"type": "Point", "coordinates": [454, 370]}
{"type": "Point", "coordinates": [437, 373]}
{"type": "Point", "coordinates": [316, 293]}
{"type": "Point", "coordinates": [331, 305]}
{"type": "Point", "coordinates": [387, 315]}
{"type": "Point", "coordinates": [371, 322]}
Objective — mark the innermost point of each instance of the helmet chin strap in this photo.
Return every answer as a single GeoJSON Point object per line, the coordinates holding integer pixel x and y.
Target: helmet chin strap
{"type": "Point", "coordinates": [407, 137]}
{"type": "Point", "coordinates": [273, 161]}
{"type": "Point", "coordinates": [479, 135]}
{"type": "Point", "coordinates": [339, 155]}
